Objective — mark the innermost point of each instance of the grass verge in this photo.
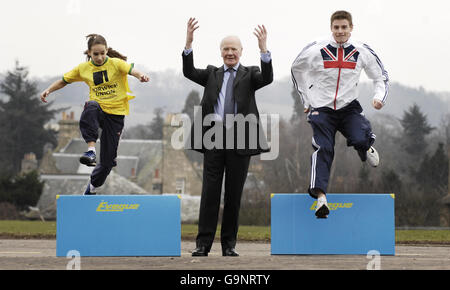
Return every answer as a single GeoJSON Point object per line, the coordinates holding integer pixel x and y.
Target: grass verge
{"type": "Point", "coordinates": [47, 230]}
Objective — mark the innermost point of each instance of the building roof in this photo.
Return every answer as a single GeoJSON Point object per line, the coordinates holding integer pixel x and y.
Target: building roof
{"type": "Point", "coordinates": [136, 158]}
{"type": "Point", "coordinates": [66, 184]}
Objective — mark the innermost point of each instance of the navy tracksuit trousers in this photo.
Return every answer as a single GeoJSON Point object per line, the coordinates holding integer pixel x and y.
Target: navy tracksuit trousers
{"type": "Point", "coordinates": [325, 122]}
{"type": "Point", "coordinates": [92, 119]}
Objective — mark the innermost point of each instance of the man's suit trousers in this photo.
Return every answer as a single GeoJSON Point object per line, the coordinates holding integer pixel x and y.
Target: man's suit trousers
{"type": "Point", "coordinates": [217, 164]}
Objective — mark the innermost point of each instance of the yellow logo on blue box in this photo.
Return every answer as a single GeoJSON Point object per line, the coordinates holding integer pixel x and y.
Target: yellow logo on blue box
{"type": "Point", "coordinates": [333, 206]}
{"type": "Point", "coordinates": [104, 206]}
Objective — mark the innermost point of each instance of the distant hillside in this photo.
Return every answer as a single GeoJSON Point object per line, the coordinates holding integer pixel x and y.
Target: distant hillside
{"type": "Point", "coordinates": [401, 97]}
{"type": "Point", "coordinates": [169, 89]}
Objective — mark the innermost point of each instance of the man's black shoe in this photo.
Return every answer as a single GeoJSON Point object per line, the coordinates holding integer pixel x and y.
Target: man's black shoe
{"type": "Point", "coordinates": [230, 252]}
{"type": "Point", "coordinates": [200, 251]}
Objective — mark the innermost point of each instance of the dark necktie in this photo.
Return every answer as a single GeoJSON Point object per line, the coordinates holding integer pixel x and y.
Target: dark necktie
{"type": "Point", "coordinates": [229, 100]}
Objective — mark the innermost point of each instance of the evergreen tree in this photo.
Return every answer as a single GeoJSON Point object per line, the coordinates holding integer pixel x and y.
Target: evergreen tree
{"type": "Point", "coordinates": [433, 172]}
{"type": "Point", "coordinates": [22, 190]}
{"type": "Point", "coordinates": [390, 182]}
{"type": "Point", "coordinates": [192, 100]}
{"type": "Point", "coordinates": [140, 131]}
{"type": "Point", "coordinates": [23, 117]}
{"type": "Point", "coordinates": [365, 184]}
{"type": "Point", "coordinates": [157, 124]}
{"type": "Point", "coordinates": [152, 130]}
{"type": "Point", "coordinates": [416, 127]}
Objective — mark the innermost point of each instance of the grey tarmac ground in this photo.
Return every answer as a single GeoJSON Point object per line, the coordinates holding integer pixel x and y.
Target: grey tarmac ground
{"type": "Point", "coordinates": [40, 255]}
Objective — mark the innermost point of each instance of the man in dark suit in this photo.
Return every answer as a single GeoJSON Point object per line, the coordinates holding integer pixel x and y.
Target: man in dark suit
{"type": "Point", "coordinates": [229, 93]}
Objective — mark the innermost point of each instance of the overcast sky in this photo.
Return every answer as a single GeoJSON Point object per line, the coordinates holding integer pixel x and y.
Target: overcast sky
{"type": "Point", "coordinates": [412, 37]}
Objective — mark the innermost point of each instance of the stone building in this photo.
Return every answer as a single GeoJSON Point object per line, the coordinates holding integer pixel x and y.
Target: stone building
{"type": "Point", "coordinates": [181, 175]}
{"type": "Point", "coordinates": [143, 167]}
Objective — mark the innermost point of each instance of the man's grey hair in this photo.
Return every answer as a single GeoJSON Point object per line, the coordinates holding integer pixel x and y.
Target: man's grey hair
{"type": "Point", "coordinates": [231, 37]}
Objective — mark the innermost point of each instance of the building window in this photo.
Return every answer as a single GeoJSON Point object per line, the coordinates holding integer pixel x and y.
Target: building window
{"type": "Point", "coordinates": [157, 188]}
{"type": "Point", "coordinates": [180, 185]}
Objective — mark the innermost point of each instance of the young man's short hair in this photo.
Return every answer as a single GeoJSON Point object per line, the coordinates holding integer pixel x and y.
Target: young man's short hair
{"type": "Point", "coordinates": [341, 14]}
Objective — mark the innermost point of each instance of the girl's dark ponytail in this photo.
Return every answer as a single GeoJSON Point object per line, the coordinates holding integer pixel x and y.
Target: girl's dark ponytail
{"type": "Point", "coordinates": [114, 53]}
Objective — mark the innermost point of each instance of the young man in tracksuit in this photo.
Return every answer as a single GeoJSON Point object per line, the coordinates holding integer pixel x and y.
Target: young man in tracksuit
{"type": "Point", "coordinates": [326, 75]}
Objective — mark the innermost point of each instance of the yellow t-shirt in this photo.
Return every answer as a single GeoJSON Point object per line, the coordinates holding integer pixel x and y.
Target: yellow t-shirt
{"type": "Point", "coordinates": [108, 83]}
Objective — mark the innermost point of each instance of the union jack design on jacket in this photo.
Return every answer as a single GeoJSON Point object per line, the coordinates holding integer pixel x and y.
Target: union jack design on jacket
{"type": "Point", "coordinates": [327, 74]}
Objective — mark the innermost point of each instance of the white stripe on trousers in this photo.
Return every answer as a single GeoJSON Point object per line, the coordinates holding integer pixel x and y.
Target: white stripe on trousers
{"type": "Point", "coordinates": [313, 163]}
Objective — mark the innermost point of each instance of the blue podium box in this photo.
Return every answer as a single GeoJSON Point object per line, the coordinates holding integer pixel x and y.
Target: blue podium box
{"type": "Point", "coordinates": [357, 224]}
{"type": "Point", "coordinates": [118, 225]}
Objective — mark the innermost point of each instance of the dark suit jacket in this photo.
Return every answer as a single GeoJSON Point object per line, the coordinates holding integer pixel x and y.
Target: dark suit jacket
{"type": "Point", "coordinates": [247, 81]}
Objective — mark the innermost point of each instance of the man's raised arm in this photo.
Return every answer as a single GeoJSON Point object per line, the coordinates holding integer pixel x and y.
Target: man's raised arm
{"type": "Point", "coordinates": [266, 76]}
{"type": "Point", "coordinates": [198, 76]}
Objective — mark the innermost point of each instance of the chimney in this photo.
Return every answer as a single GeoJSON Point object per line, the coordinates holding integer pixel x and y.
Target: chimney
{"type": "Point", "coordinates": [68, 130]}
{"type": "Point", "coordinates": [29, 163]}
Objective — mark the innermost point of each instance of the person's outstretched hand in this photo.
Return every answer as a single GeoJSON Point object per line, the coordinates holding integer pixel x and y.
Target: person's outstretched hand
{"type": "Point", "coordinates": [191, 27]}
{"type": "Point", "coordinates": [261, 34]}
{"type": "Point", "coordinates": [377, 104]}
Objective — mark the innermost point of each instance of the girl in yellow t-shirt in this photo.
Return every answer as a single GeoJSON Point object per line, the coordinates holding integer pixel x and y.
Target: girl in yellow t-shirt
{"type": "Point", "coordinates": [105, 72]}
